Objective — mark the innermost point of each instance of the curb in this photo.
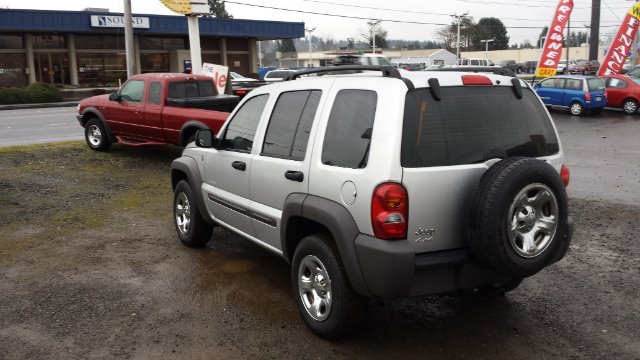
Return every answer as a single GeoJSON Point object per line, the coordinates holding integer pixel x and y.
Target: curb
{"type": "Point", "coordinates": [38, 106]}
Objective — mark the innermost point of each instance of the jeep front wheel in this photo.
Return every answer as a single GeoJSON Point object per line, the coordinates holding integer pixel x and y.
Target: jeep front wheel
{"type": "Point", "coordinates": [327, 303]}
{"type": "Point", "coordinates": [192, 229]}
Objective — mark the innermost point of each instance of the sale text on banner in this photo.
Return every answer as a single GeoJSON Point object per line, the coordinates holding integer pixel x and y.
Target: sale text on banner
{"type": "Point", "coordinates": [219, 73]}
{"type": "Point", "coordinates": [622, 43]}
{"type": "Point", "coordinates": [552, 50]}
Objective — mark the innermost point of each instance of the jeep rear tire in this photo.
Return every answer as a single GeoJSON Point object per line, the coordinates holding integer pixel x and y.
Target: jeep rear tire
{"type": "Point", "coordinates": [518, 218]}
{"type": "Point", "coordinates": [325, 298]}
{"type": "Point", "coordinates": [192, 229]}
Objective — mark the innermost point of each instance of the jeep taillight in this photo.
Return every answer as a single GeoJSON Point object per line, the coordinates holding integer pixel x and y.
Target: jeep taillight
{"type": "Point", "coordinates": [587, 96]}
{"type": "Point", "coordinates": [564, 175]}
{"type": "Point", "coordinates": [389, 207]}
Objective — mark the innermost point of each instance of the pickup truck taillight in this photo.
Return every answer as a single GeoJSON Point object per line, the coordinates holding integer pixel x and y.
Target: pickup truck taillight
{"type": "Point", "coordinates": [389, 207]}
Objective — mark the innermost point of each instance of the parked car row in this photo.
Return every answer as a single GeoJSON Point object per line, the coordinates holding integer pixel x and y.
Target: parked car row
{"type": "Point", "coordinates": [581, 92]}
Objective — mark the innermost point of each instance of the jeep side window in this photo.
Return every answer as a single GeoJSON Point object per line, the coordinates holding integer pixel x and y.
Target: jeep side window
{"type": "Point", "coordinates": [288, 132]}
{"type": "Point", "coordinates": [348, 134]}
{"type": "Point", "coordinates": [241, 130]}
{"type": "Point", "coordinates": [132, 91]}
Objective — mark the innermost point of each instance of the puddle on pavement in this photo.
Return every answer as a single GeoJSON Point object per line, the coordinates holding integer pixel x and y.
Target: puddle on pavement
{"type": "Point", "coordinates": [238, 266]}
{"type": "Point", "coordinates": [236, 273]}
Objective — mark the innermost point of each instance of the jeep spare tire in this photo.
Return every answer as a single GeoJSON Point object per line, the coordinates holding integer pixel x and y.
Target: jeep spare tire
{"type": "Point", "coordinates": [518, 217]}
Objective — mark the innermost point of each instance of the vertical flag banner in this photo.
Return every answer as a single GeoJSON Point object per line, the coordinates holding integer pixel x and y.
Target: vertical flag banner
{"type": "Point", "coordinates": [622, 43]}
{"type": "Point", "coordinates": [552, 50]}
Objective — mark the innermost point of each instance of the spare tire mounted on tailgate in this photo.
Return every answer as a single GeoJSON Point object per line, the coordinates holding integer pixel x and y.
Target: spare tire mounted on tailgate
{"type": "Point", "coordinates": [518, 216]}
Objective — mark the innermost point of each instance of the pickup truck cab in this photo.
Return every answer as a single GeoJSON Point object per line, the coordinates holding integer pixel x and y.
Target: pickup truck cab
{"type": "Point", "coordinates": [154, 108]}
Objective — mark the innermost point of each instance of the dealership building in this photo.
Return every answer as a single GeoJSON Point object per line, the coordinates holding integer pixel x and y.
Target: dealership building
{"type": "Point", "coordinates": [86, 48]}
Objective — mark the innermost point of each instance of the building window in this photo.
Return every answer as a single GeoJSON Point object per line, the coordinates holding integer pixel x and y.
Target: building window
{"type": "Point", "coordinates": [209, 43]}
{"type": "Point", "coordinates": [162, 43]}
{"type": "Point", "coordinates": [101, 69]}
{"type": "Point", "coordinates": [12, 70]}
{"type": "Point", "coordinates": [237, 44]}
{"type": "Point", "coordinates": [99, 42]}
{"type": "Point", "coordinates": [49, 42]}
{"type": "Point", "coordinates": [11, 42]}
{"type": "Point", "coordinates": [154, 63]}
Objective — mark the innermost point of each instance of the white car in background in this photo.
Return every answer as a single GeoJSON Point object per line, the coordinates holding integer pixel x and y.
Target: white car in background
{"type": "Point", "coordinates": [562, 66]}
{"type": "Point", "coordinates": [277, 74]}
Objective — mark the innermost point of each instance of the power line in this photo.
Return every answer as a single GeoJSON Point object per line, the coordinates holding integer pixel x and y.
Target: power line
{"type": "Point", "coordinates": [369, 18]}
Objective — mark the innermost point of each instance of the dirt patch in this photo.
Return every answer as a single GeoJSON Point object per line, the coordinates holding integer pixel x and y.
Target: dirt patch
{"type": "Point", "coordinates": [90, 267]}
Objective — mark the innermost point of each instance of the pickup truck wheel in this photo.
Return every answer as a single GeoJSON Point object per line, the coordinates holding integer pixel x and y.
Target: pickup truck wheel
{"type": "Point", "coordinates": [96, 135]}
{"type": "Point", "coordinates": [630, 106]}
{"type": "Point", "coordinates": [327, 303]}
{"type": "Point", "coordinates": [519, 217]}
{"type": "Point", "coordinates": [192, 229]}
{"type": "Point", "coordinates": [576, 108]}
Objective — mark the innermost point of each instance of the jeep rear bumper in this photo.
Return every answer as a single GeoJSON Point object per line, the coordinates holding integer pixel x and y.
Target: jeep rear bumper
{"type": "Point", "coordinates": [391, 269]}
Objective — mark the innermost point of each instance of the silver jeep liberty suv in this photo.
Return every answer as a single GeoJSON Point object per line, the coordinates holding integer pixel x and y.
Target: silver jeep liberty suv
{"type": "Point", "coordinates": [373, 182]}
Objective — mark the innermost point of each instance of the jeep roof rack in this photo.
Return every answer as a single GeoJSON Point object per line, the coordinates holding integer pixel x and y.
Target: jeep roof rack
{"type": "Point", "coordinates": [476, 69]}
{"type": "Point", "coordinates": [386, 70]}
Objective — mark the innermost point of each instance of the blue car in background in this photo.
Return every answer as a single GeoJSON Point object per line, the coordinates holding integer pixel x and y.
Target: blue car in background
{"type": "Point", "coordinates": [576, 92]}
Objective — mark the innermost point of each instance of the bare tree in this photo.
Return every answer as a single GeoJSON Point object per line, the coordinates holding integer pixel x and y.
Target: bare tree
{"type": "Point", "coordinates": [378, 32]}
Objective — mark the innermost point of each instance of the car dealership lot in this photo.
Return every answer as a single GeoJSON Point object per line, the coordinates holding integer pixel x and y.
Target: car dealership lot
{"type": "Point", "coordinates": [91, 268]}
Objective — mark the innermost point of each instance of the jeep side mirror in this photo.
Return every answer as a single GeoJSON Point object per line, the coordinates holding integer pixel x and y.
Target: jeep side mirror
{"type": "Point", "coordinates": [114, 97]}
{"type": "Point", "coordinates": [206, 139]}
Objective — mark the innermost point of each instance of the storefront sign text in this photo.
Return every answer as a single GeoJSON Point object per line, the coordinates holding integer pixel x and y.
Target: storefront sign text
{"type": "Point", "coordinates": [109, 21]}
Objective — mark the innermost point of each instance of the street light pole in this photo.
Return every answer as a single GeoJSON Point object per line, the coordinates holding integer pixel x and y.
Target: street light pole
{"type": "Point", "coordinates": [128, 39]}
{"type": "Point", "coordinates": [309, 31]}
{"type": "Point", "coordinates": [372, 24]}
{"type": "Point", "coordinates": [486, 48]}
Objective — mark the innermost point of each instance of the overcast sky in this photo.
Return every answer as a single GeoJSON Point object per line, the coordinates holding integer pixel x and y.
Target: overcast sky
{"type": "Point", "coordinates": [403, 19]}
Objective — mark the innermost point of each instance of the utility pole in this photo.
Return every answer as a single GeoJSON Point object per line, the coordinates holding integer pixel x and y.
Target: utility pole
{"type": "Point", "coordinates": [309, 31]}
{"type": "Point", "coordinates": [594, 42]}
{"type": "Point", "coordinates": [372, 25]}
{"type": "Point", "coordinates": [459, 18]}
{"type": "Point", "coordinates": [128, 39]}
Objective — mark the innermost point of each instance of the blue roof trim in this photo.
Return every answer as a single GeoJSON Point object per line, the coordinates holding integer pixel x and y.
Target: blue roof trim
{"type": "Point", "coordinates": [80, 21]}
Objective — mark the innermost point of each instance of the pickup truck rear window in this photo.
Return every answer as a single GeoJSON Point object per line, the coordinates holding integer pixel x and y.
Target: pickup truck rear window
{"type": "Point", "coordinates": [473, 124]}
{"type": "Point", "coordinates": [191, 89]}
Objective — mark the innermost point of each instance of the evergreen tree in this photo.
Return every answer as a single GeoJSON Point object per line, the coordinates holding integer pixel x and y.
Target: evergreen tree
{"type": "Point", "coordinates": [218, 10]}
{"type": "Point", "coordinates": [490, 28]}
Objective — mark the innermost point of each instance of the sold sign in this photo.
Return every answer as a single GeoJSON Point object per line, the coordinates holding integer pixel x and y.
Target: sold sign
{"type": "Point", "coordinates": [219, 73]}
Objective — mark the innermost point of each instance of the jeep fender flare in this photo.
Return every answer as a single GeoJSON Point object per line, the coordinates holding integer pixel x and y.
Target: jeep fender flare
{"type": "Point", "coordinates": [336, 219]}
{"type": "Point", "coordinates": [93, 112]}
{"type": "Point", "coordinates": [186, 128]}
{"type": "Point", "coordinates": [185, 166]}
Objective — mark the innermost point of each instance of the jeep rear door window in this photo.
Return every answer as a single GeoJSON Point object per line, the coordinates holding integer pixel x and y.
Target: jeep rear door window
{"type": "Point", "coordinates": [242, 128]}
{"type": "Point", "coordinates": [472, 124]}
{"type": "Point", "coordinates": [132, 91]}
{"type": "Point", "coordinates": [346, 141]}
{"type": "Point", "coordinates": [288, 132]}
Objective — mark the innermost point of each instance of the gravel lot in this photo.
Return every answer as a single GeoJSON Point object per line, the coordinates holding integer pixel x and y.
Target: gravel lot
{"type": "Point", "coordinates": [91, 268]}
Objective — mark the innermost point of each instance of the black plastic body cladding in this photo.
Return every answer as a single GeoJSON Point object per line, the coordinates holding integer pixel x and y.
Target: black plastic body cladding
{"type": "Point", "coordinates": [189, 167]}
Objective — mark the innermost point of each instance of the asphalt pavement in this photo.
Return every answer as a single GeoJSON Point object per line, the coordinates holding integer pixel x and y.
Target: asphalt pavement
{"type": "Point", "coordinates": [39, 125]}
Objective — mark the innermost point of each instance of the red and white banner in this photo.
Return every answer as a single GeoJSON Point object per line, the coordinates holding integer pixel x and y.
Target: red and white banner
{"type": "Point", "coordinates": [552, 50]}
{"type": "Point", "coordinates": [622, 43]}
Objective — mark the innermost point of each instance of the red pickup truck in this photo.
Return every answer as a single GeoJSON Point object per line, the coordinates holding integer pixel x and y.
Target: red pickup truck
{"type": "Point", "coordinates": [154, 108]}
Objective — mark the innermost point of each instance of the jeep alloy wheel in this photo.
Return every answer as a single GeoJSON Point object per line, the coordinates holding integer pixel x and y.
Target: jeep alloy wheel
{"type": "Point", "coordinates": [314, 286]}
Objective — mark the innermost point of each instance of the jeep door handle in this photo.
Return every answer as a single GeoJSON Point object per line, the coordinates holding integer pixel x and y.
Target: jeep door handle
{"type": "Point", "coordinates": [239, 165]}
{"type": "Point", "coordinates": [294, 175]}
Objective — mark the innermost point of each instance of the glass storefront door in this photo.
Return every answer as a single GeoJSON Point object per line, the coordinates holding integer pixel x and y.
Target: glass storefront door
{"type": "Point", "coordinates": [52, 68]}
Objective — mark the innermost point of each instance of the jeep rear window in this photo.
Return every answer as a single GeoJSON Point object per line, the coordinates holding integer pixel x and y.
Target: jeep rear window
{"type": "Point", "coordinates": [191, 89]}
{"type": "Point", "coordinates": [473, 124]}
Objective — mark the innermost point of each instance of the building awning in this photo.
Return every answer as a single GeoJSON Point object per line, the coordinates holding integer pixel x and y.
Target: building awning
{"type": "Point", "coordinates": [108, 22]}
